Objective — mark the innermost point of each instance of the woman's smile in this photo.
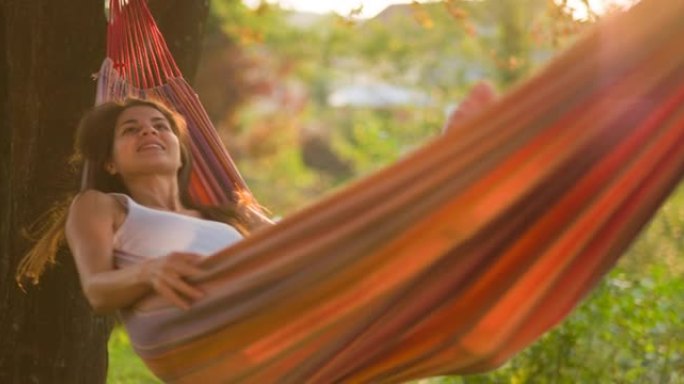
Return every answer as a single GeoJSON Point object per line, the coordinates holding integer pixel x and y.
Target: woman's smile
{"type": "Point", "coordinates": [144, 142]}
{"type": "Point", "coordinates": [153, 145]}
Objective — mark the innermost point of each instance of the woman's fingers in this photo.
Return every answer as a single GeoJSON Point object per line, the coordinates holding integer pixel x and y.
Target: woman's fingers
{"type": "Point", "coordinates": [168, 275]}
{"type": "Point", "coordinates": [187, 270]}
{"type": "Point", "coordinates": [169, 294]}
{"type": "Point", "coordinates": [192, 258]}
{"type": "Point", "coordinates": [181, 286]}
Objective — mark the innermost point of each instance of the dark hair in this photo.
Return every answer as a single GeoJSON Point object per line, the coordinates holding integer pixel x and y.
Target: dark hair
{"type": "Point", "coordinates": [93, 149]}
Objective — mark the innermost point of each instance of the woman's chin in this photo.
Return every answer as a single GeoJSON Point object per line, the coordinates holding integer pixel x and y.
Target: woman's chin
{"type": "Point", "coordinates": [159, 168]}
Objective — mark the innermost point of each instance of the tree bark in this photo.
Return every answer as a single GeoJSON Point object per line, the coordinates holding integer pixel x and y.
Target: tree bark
{"type": "Point", "coordinates": [49, 51]}
{"type": "Point", "coordinates": [183, 23]}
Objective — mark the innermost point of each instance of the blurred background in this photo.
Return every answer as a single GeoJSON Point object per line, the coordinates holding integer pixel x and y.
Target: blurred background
{"type": "Point", "coordinates": [311, 95]}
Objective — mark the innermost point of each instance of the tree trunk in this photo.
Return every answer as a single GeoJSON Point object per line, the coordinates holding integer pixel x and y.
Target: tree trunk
{"type": "Point", "coordinates": [49, 51]}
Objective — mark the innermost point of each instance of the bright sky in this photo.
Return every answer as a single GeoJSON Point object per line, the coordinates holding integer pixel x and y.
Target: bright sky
{"type": "Point", "coordinates": [342, 7]}
{"type": "Point", "coordinates": [373, 7]}
{"type": "Point", "coordinates": [599, 6]}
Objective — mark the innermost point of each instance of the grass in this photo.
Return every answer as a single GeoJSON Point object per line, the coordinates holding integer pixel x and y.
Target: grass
{"type": "Point", "coordinates": [125, 367]}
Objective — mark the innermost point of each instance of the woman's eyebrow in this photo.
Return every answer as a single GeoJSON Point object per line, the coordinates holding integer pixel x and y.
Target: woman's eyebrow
{"type": "Point", "coordinates": [135, 121]}
{"type": "Point", "coordinates": [129, 121]}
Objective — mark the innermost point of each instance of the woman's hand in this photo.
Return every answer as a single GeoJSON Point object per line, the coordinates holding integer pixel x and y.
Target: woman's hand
{"type": "Point", "coordinates": [166, 275]}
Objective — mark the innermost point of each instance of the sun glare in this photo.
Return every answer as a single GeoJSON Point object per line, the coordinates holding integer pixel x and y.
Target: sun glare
{"type": "Point", "coordinates": [370, 8]}
{"type": "Point", "coordinates": [597, 7]}
{"type": "Point", "coordinates": [361, 8]}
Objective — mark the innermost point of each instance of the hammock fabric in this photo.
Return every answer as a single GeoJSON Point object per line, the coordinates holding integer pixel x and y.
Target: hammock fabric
{"type": "Point", "coordinates": [447, 262]}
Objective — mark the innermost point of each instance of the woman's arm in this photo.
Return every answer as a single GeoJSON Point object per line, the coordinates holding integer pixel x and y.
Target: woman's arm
{"type": "Point", "coordinates": [90, 233]}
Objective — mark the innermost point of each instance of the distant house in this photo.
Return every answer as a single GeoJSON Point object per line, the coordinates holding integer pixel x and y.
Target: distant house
{"type": "Point", "coordinates": [306, 20]}
{"type": "Point", "coordinates": [354, 84]}
{"type": "Point", "coordinates": [375, 94]}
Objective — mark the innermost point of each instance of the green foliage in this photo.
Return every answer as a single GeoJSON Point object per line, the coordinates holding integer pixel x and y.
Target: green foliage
{"type": "Point", "coordinates": [437, 50]}
{"type": "Point", "coordinates": [371, 139]}
{"type": "Point", "coordinates": [661, 243]}
{"type": "Point", "coordinates": [282, 180]}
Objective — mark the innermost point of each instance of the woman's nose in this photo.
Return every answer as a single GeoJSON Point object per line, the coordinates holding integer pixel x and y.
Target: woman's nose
{"type": "Point", "coordinates": [148, 129]}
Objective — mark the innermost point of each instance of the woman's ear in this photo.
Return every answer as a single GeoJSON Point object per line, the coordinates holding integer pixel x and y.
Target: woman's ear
{"type": "Point", "coordinates": [110, 168]}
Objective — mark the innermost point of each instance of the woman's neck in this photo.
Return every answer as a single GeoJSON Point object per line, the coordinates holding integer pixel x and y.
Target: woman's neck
{"type": "Point", "coordinates": [156, 192]}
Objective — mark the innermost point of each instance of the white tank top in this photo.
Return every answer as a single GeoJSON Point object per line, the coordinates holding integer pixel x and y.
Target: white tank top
{"type": "Point", "coordinates": [148, 232]}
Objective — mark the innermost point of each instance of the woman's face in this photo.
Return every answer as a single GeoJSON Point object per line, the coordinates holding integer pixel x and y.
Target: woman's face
{"type": "Point", "coordinates": [144, 144]}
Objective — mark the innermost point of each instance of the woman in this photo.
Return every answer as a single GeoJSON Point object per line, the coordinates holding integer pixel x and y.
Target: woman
{"type": "Point", "coordinates": [138, 208]}
{"type": "Point", "coordinates": [139, 167]}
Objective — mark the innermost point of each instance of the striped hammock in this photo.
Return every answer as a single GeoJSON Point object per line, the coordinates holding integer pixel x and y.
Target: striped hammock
{"type": "Point", "coordinates": [447, 262]}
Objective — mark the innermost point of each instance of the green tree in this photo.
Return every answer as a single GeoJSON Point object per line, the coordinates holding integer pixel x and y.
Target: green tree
{"type": "Point", "coordinates": [437, 49]}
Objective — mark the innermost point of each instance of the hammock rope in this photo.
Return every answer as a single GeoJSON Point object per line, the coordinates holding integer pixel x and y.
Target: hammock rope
{"type": "Point", "coordinates": [137, 47]}
{"type": "Point", "coordinates": [451, 260]}
{"type": "Point", "coordinates": [139, 64]}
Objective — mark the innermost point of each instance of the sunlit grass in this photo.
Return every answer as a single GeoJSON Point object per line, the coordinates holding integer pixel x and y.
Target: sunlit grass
{"type": "Point", "coordinates": [125, 367]}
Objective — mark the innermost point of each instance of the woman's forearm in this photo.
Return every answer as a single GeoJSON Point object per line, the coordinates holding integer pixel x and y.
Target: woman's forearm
{"type": "Point", "coordinates": [112, 290]}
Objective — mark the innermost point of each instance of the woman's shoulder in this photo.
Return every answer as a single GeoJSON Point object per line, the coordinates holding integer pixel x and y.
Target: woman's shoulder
{"type": "Point", "coordinates": [92, 198]}
{"type": "Point", "coordinates": [94, 203]}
